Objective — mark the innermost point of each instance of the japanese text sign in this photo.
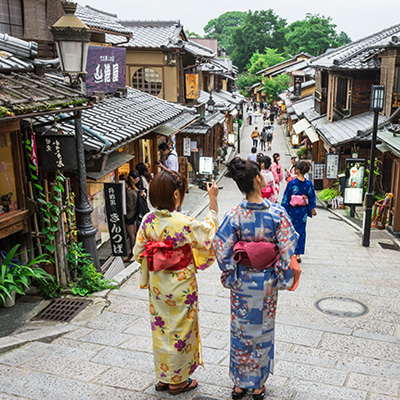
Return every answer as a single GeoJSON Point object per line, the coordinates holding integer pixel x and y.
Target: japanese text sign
{"type": "Point", "coordinates": [114, 194]}
{"type": "Point", "coordinates": [354, 187]}
{"type": "Point", "coordinates": [332, 166]}
{"type": "Point", "coordinates": [105, 69]}
{"type": "Point", "coordinates": [57, 152]}
{"type": "Point", "coordinates": [192, 86]}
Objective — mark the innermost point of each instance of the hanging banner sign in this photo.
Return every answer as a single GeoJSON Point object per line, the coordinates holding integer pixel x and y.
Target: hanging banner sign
{"type": "Point", "coordinates": [106, 68]}
{"type": "Point", "coordinates": [57, 152]}
{"type": "Point", "coordinates": [332, 166]}
{"type": "Point", "coordinates": [192, 85]}
{"type": "Point", "coordinates": [186, 146]}
{"type": "Point", "coordinates": [354, 186]}
{"type": "Point", "coordinates": [114, 194]}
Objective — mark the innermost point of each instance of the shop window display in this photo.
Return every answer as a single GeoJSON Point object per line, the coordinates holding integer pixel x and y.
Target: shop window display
{"type": "Point", "coordinates": [8, 185]}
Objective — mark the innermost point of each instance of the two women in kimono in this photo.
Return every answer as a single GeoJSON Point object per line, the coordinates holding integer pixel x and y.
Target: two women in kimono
{"type": "Point", "coordinates": [298, 209]}
{"type": "Point", "coordinates": [171, 248]}
{"type": "Point", "coordinates": [254, 291]}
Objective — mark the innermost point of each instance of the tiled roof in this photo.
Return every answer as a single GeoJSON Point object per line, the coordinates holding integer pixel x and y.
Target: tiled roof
{"type": "Point", "coordinates": [153, 34]}
{"type": "Point", "coordinates": [120, 120]}
{"type": "Point", "coordinates": [284, 64]}
{"type": "Point", "coordinates": [303, 85]}
{"type": "Point", "coordinates": [303, 105]}
{"type": "Point", "coordinates": [24, 93]}
{"type": "Point", "coordinates": [210, 121]}
{"type": "Point", "coordinates": [198, 50]}
{"type": "Point", "coordinates": [18, 47]}
{"type": "Point", "coordinates": [9, 61]}
{"type": "Point", "coordinates": [177, 124]}
{"type": "Point", "coordinates": [347, 129]}
{"type": "Point", "coordinates": [224, 100]}
{"type": "Point", "coordinates": [361, 54]}
{"type": "Point", "coordinates": [101, 20]}
{"type": "Point", "coordinates": [389, 138]}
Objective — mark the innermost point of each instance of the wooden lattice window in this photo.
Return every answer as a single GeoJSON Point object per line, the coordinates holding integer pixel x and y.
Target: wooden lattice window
{"type": "Point", "coordinates": [11, 17]}
{"type": "Point", "coordinates": [147, 80]}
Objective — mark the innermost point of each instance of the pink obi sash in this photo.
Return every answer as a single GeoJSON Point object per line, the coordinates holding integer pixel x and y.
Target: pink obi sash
{"type": "Point", "coordinates": [162, 255]}
{"type": "Point", "coordinates": [261, 255]}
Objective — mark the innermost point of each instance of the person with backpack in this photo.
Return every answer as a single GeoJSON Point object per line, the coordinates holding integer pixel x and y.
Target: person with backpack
{"type": "Point", "coordinates": [263, 137]}
{"type": "Point", "coordinates": [145, 179]}
{"type": "Point", "coordinates": [170, 157]}
{"type": "Point", "coordinates": [255, 134]}
{"type": "Point", "coordinates": [269, 136]}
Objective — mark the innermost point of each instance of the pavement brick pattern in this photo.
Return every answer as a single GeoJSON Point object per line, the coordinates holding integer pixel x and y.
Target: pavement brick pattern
{"type": "Point", "coordinates": [317, 356]}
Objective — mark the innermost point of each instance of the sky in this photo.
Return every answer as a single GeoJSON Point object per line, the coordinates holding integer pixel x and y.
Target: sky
{"type": "Point", "coordinates": [358, 18]}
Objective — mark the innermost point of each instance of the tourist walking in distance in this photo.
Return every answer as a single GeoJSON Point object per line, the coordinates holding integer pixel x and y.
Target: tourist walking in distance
{"type": "Point", "coordinates": [269, 192]}
{"type": "Point", "coordinates": [255, 134]}
{"type": "Point", "coordinates": [263, 137]}
{"type": "Point", "coordinates": [300, 202]}
{"type": "Point", "coordinates": [171, 248]}
{"type": "Point", "coordinates": [250, 116]}
{"type": "Point", "coordinates": [269, 135]}
{"type": "Point", "coordinates": [253, 276]}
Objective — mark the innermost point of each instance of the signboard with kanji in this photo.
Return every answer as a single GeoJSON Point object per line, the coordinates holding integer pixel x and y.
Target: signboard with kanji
{"type": "Point", "coordinates": [57, 152]}
{"type": "Point", "coordinates": [354, 186]}
{"type": "Point", "coordinates": [206, 165]}
{"type": "Point", "coordinates": [318, 174]}
{"type": "Point", "coordinates": [105, 69]}
{"type": "Point", "coordinates": [114, 195]}
{"type": "Point", "coordinates": [186, 146]}
{"type": "Point", "coordinates": [332, 166]}
{"type": "Point", "coordinates": [192, 86]}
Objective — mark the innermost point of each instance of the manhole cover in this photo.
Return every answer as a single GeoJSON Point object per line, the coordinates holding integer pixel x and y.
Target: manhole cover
{"type": "Point", "coordinates": [341, 307]}
{"type": "Point", "coordinates": [62, 310]}
{"type": "Point", "coordinates": [389, 246]}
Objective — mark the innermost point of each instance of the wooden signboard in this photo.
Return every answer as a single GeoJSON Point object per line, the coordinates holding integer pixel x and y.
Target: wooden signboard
{"type": "Point", "coordinates": [318, 175]}
{"type": "Point", "coordinates": [192, 86]}
{"type": "Point", "coordinates": [114, 196]}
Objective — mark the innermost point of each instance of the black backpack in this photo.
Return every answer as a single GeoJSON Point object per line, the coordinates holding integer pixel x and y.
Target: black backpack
{"type": "Point", "coordinates": [142, 209]}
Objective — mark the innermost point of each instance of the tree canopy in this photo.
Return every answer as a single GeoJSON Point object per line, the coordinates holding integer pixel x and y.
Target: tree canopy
{"type": "Point", "coordinates": [314, 35]}
{"type": "Point", "coordinates": [260, 29]}
{"type": "Point", "coordinates": [222, 28]}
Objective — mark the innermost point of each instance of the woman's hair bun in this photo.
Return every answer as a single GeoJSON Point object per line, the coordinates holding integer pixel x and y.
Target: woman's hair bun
{"type": "Point", "coordinates": [236, 168]}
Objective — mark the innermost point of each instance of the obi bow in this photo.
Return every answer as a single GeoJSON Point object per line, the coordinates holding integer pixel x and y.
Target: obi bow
{"type": "Point", "coordinates": [162, 255]}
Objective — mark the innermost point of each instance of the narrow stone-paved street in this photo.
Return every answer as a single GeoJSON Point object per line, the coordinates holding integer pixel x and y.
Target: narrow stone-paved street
{"type": "Point", "coordinates": [318, 356]}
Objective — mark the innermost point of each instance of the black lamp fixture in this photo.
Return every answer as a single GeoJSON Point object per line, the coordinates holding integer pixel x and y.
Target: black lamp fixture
{"type": "Point", "coordinates": [72, 38]}
{"type": "Point", "coordinates": [238, 108]}
{"type": "Point", "coordinates": [377, 102]}
{"type": "Point", "coordinates": [210, 104]}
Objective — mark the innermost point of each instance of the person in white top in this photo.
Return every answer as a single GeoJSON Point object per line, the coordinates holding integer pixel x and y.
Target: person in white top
{"type": "Point", "coordinates": [253, 155]}
{"type": "Point", "coordinates": [171, 160]}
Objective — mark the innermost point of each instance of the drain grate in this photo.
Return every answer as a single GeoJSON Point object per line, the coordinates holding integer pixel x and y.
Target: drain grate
{"type": "Point", "coordinates": [343, 307]}
{"type": "Point", "coordinates": [203, 397]}
{"type": "Point", "coordinates": [389, 246]}
{"type": "Point", "coordinates": [62, 310]}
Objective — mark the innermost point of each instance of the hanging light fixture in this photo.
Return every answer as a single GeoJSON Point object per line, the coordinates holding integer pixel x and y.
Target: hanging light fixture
{"type": "Point", "coordinates": [72, 38]}
{"type": "Point", "coordinates": [210, 104]}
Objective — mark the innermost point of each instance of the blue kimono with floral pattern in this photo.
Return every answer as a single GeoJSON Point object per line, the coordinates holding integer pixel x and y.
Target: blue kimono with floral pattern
{"type": "Point", "coordinates": [299, 215]}
{"type": "Point", "coordinates": [254, 293]}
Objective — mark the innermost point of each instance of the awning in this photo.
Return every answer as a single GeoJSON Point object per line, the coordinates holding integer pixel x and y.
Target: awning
{"type": "Point", "coordinates": [312, 135]}
{"type": "Point", "coordinates": [114, 161]}
{"type": "Point", "coordinates": [383, 148]}
{"type": "Point", "coordinates": [301, 126]}
{"type": "Point", "coordinates": [165, 130]}
{"type": "Point", "coordinates": [233, 113]}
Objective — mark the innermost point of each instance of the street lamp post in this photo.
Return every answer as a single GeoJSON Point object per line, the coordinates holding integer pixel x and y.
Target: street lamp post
{"type": "Point", "coordinates": [377, 100]}
{"type": "Point", "coordinates": [210, 104]}
{"type": "Point", "coordinates": [72, 38]}
{"type": "Point", "coordinates": [238, 108]}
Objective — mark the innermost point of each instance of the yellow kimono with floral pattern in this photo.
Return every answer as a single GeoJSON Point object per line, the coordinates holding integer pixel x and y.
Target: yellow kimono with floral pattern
{"type": "Point", "coordinates": [173, 295]}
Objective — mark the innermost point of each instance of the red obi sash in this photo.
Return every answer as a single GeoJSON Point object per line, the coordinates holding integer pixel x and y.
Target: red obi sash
{"type": "Point", "coordinates": [162, 255]}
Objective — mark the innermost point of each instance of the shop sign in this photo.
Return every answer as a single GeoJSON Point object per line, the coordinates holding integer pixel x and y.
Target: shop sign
{"type": "Point", "coordinates": [297, 86]}
{"type": "Point", "coordinates": [354, 186]}
{"type": "Point", "coordinates": [192, 85]}
{"type": "Point", "coordinates": [206, 165]}
{"type": "Point", "coordinates": [105, 69]}
{"type": "Point", "coordinates": [318, 174]}
{"type": "Point", "coordinates": [57, 152]}
{"type": "Point", "coordinates": [332, 166]}
{"type": "Point", "coordinates": [114, 196]}
{"type": "Point", "coordinates": [186, 146]}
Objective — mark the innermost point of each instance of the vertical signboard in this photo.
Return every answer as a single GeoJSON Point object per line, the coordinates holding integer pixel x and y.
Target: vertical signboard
{"type": "Point", "coordinates": [186, 146]}
{"type": "Point", "coordinates": [318, 175]}
{"type": "Point", "coordinates": [105, 69]}
{"type": "Point", "coordinates": [332, 166]}
{"type": "Point", "coordinates": [192, 86]}
{"type": "Point", "coordinates": [297, 86]}
{"type": "Point", "coordinates": [354, 186]}
{"type": "Point", "coordinates": [114, 196]}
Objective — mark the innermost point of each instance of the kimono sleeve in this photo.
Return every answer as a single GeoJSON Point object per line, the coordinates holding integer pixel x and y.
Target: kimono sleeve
{"type": "Point", "coordinates": [138, 250]}
{"type": "Point", "coordinates": [201, 235]}
{"type": "Point", "coordinates": [286, 197]}
{"type": "Point", "coordinates": [223, 243]}
{"type": "Point", "coordinates": [286, 239]}
{"type": "Point", "coordinates": [312, 201]}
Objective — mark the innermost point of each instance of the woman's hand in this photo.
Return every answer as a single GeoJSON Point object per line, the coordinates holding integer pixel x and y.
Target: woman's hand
{"type": "Point", "coordinates": [314, 212]}
{"type": "Point", "coordinates": [213, 191]}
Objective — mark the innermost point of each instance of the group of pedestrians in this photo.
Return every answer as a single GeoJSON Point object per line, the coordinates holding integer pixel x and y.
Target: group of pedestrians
{"type": "Point", "coordinates": [254, 247]}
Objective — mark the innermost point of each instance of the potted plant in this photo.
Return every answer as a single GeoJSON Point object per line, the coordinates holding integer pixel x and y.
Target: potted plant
{"type": "Point", "coordinates": [302, 152]}
{"type": "Point", "coordinates": [328, 195]}
{"type": "Point", "coordinates": [15, 276]}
